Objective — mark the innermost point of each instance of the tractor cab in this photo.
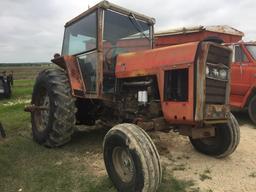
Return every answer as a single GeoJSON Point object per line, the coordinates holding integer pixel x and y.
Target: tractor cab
{"type": "Point", "coordinates": [92, 42]}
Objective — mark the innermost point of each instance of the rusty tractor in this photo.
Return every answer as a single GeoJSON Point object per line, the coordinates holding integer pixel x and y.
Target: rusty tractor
{"type": "Point", "coordinates": [243, 70]}
{"type": "Point", "coordinates": [110, 76]}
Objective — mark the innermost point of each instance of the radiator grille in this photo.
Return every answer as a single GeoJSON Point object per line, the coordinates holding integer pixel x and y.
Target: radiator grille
{"type": "Point", "coordinates": [216, 89]}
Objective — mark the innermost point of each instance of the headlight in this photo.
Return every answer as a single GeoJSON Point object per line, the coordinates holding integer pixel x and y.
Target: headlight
{"type": "Point", "coordinates": [223, 74]}
{"type": "Point", "coordinates": [207, 70]}
{"type": "Point", "coordinates": [215, 73]}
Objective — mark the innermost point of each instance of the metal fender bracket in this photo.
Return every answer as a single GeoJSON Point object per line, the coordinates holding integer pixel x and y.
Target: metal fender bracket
{"type": "Point", "coordinates": [197, 133]}
{"type": "Point", "coordinates": [33, 108]}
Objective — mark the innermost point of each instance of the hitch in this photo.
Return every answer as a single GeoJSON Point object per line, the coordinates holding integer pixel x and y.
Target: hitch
{"type": "Point", "coordinates": [2, 131]}
{"type": "Point", "coordinates": [33, 108]}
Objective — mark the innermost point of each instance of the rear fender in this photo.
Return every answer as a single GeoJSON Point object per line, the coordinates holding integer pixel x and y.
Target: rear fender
{"type": "Point", "coordinates": [70, 64]}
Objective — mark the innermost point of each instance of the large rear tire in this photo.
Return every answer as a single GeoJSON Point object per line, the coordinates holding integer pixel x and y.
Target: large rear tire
{"type": "Point", "coordinates": [252, 109]}
{"type": "Point", "coordinates": [225, 141]}
{"type": "Point", "coordinates": [131, 159]}
{"type": "Point", "coordinates": [54, 125]}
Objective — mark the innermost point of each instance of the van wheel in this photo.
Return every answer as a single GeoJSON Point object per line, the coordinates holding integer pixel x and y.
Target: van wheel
{"type": "Point", "coordinates": [225, 141]}
{"type": "Point", "coordinates": [131, 159]}
{"type": "Point", "coordinates": [252, 109]}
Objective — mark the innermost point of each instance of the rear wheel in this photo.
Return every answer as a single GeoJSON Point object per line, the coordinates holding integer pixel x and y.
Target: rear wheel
{"type": "Point", "coordinates": [225, 141]}
{"type": "Point", "coordinates": [53, 124]}
{"type": "Point", "coordinates": [131, 159]}
{"type": "Point", "coordinates": [252, 109]}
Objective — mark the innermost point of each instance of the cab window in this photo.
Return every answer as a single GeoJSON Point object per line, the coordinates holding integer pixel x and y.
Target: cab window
{"type": "Point", "coordinates": [80, 38]}
{"type": "Point", "coordinates": [121, 34]}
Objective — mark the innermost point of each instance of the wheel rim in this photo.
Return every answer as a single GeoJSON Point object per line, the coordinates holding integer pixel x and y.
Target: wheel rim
{"type": "Point", "coordinates": [123, 164]}
{"type": "Point", "coordinates": [212, 141]}
{"type": "Point", "coordinates": [42, 116]}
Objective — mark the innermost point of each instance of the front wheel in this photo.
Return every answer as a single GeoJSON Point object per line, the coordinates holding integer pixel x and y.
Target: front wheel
{"type": "Point", "coordinates": [225, 141]}
{"type": "Point", "coordinates": [131, 159]}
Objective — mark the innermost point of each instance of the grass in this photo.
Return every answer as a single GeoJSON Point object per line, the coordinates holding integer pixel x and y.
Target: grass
{"type": "Point", "coordinates": [24, 72]}
{"type": "Point", "coordinates": [27, 166]}
{"type": "Point", "coordinates": [205, 175]}
{"type": "Point", "coordinates": [171, 184]}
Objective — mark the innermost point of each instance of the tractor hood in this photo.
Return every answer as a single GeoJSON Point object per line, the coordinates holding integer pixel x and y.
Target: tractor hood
{"type": "Point", "coordinates": [150, 61]}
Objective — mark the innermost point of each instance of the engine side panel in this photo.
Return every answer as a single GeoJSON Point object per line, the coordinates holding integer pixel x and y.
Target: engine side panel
{"type": "Point", "coordinates": [158, 62]}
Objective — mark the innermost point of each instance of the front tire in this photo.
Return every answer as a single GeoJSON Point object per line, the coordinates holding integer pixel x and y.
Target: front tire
{"type": "Point", "coordinates": [252, 109]}
{"type": "Point", "coordinates": [53, 126]}
{"type": "Point", "coordinates": [131, 159]}
{"type": "Point", "coordinates": [225, 141]}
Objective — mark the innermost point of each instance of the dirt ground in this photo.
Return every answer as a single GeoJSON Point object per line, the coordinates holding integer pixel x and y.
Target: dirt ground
{"type": "Point", "coordinates": [236, 173]}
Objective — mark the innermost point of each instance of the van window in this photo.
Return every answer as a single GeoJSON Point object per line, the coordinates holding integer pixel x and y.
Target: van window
{"type": "Point", "coordinates": [252, 50]}
{"type": "Point", "coordinates": [240, 55]}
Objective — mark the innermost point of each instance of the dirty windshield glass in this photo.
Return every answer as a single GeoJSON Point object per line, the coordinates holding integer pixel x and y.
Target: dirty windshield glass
{"type": "Point", "coordinates": [80, 36]}
{"type": "Point", "coordinates": [252, 50]}
{"type": "Point", "coordinates": [125, 34]}
{"type": "Point", "coordinates": [122, 34]}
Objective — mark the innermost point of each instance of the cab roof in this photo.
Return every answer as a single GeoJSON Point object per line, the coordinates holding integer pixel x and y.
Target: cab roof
{"type": "Point", "coordinates": [114, 7]}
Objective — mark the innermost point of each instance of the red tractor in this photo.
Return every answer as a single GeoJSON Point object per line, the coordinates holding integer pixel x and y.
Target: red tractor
{"type": "Point", "coordinates": [243, 68]}
{"type": "Point", "coordinates": [109, 76]}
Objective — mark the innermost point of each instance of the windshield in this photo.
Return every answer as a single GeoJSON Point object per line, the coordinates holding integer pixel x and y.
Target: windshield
{"type": "Point", "coordinates": [125, 32]}
{"type": "Point", "coordinates": [252, 50]}
{"type": "Point", "coordinates": [81, 36]}
{"type": "Point", "coordinates": [121, 34]}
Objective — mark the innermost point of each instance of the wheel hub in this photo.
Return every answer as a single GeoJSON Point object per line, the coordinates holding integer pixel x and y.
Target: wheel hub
{"type": "Point", "coordinates": [123, 164]}
{"type": "Point", "coordinates": [42, 116]}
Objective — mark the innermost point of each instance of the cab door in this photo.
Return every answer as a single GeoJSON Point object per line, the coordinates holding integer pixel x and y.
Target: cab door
{"type": "Point", "coordinates": [240, 81]}
{"type": "Point", "coordinates": [249, 68]}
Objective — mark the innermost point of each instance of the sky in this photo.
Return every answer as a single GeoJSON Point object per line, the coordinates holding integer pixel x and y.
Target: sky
{"type": "Point", "coordinates": [32, 30]}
